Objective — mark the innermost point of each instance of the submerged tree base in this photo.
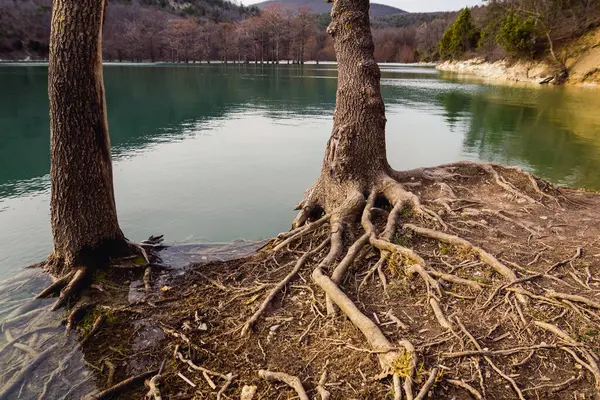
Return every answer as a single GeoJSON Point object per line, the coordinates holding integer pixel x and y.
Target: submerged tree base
{"type": "Point", "coordinates": [479, 281]}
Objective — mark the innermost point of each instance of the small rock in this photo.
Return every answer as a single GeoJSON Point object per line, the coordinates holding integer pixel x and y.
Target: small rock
{"type": "Point", "coordinates": [203, 326]}
{"type": "Point", "coordinates": [248, 392]}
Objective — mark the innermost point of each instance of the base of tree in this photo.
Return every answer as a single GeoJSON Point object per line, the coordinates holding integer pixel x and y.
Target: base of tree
{"type": "Point", "coordinates": [481, 282]}
{"type": "Point", "coordinates": [73, 278]}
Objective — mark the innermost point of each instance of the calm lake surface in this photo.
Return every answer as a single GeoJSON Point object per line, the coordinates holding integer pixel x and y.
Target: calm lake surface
{"type": "Point", "coordinates": [217, 153]}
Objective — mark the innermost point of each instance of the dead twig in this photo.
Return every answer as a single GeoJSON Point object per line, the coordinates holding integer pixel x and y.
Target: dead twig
{"type": "Point", "coordinates": [120, 387]}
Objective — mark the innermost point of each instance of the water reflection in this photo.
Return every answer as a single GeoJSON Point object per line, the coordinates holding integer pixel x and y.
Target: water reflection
{"type": "Point", "coordinates": [215, 153]}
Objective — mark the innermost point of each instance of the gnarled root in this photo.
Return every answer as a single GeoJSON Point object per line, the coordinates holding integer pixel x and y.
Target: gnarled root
{"type": "Point", "coordinates": [293, 381]}
{"type": "Point", "coordinates": [343, 210]}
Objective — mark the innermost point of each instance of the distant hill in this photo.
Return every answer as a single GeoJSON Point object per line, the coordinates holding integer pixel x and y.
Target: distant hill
{"type": "Point", "coordinates": [320, 7]}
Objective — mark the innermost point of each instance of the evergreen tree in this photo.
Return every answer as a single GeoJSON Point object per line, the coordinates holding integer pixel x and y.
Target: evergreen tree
{"type": "Point", "coordinates": [460, 37]}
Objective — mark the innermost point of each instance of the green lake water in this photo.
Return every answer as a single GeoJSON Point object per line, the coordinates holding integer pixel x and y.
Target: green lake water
{"type": "Point", "coordinates": [216, 153]}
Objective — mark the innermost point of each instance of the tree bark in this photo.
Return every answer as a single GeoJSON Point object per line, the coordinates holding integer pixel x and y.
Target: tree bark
{"type": "Point", "coordinates": [85, 229]}
{"type": "Point", "coordinates": [356, 150]}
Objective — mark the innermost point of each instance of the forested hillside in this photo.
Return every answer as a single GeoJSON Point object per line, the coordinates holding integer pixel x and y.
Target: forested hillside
{"type": "Point", "coordinates": [321, 7]}
{"type": "Point", "coordinates": [523, 30]}
{"type": "Point", "coordinates": [211, 30]}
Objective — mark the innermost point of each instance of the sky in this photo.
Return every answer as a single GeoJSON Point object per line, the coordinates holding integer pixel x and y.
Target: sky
{"type": "Point", "coordinates": [417, 5]}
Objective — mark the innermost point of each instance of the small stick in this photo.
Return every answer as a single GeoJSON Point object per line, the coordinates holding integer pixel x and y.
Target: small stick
{"type": "Point", "coordinates": [467, 387]}
{"type": "Point", "coordinates": [111, 372]}
{"type": "Point", "coordinates": [321, 386]}
{"type": "Point", "coordinates": [198, 368]}
{"type": "Point", "coordinates": [292, 381]}
{"type": "Point", "coordinates": [397, 320]}
{"type": "Point", "coordinates": [427, 386]}
{"type": "Point", "coordinates": [120, 387]}
{"type": "Point", "coordinates": [439, 314]}
{"type": "Point", "coordinates": [208, 380]}
{"type": "Point", "coordinates": [192, 384]}
{"type": "Point", "coordinates": [456, 279]}
{"type": "Point", "coordinates": [225, 385]}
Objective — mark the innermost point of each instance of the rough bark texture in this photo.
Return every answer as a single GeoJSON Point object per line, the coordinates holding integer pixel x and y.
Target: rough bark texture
{"type": "Point", "coordinates": [83, 213]}
{"type": "Point", "coordinates": [355, 156]}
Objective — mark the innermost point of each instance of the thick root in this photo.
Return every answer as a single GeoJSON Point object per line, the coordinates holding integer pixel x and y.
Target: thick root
{"type": "Point", "coordinates": [293, 381]}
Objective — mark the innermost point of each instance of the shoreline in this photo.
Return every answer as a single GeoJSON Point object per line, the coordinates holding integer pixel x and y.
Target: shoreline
{"type": "Point", "coordinates": [582, 63]}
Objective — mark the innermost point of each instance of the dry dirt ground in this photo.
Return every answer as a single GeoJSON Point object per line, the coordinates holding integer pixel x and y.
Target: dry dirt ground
{"type": "Point", "coordinates": [475, 333]}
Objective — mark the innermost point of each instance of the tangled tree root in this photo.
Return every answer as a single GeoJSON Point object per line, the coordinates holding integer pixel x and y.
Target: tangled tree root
{"type": "Point", "coordinates": [395, 255]}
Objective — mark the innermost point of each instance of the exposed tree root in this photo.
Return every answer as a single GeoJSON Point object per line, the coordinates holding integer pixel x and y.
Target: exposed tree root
{"type": "Point", "coordinates": [261, 309]}
{"type": "Point", "coordinates": [474, 392]}
{"type": "Point", "coordinates": [393, 253]}
{"type": "Point", "coordinates": [7, 392]}
{"type": "Point", "coordinates": [484, 255]}
{"type": "Point", "coordinates": [72, 284]}
{"type": "Point", "coordinates": [511, 314]}
{"type": "Point", "coordinates": [292, 381]}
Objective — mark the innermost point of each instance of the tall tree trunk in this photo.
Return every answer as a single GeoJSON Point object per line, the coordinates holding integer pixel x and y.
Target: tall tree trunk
{"type": "Point", "coordinates": [83, 213]}
{"type": "Point", "coordinates": [357, 144]}
{"type": "Point", "coordinates": [355, 157]}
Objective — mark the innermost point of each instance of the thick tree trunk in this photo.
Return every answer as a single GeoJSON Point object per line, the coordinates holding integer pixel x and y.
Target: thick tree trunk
{"type": "Point", "coordinates": [83, 213]}
{"type": "Point", "coordinates": [356, 149]}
